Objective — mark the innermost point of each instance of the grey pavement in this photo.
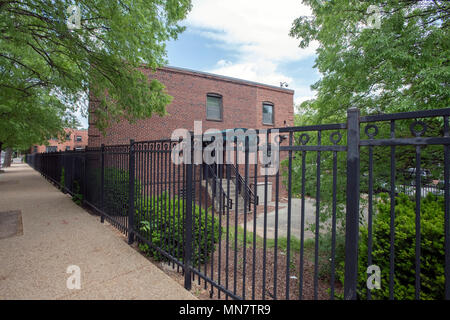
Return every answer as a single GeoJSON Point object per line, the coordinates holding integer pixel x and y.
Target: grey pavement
{"type": "Point", "coordinates": [55, 234]}
{"type": "Point", "coordinates": [310, 214]}
{"type": "Point", "coordinates": [296, 205]}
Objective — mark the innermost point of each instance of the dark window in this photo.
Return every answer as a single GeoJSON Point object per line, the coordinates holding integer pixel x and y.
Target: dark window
{"type": "Point", "coordinates": [267, 113]}
{"type": "Point", "coordinates": [78, 138]}
{"type": "Point", "coordinates": [214, 107]}
{"type": "Point", "coordinates": [51, 149]}
{"type": "Point", "coordinates": [35, 149]}
{"type": "Point", "coordinates": [67, 148]}
{"type": "Point", "coordinates": [68, 136]}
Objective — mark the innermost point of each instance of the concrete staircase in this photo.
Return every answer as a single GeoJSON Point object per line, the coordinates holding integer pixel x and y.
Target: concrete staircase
{"type": "Point", "coordinates": [231, 195]}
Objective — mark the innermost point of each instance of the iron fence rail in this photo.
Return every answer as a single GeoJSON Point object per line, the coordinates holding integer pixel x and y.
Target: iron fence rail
{"type": "Point", "coordinates": [197, 220]}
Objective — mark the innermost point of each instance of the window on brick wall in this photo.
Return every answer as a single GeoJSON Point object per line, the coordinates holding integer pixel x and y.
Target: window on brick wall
{"type": "Point", "coordinates": [68, 136]}
{"type": "Point", "coordinates": [51, 149]}
{"type": "Point", "coordinates": [214, 107]}
{"type": "Point", "coordinates": [79, 138]}
{"type": "Point", "coordinates": [267, 113]}
{"type": "Point", "coordinates": [67, 148]}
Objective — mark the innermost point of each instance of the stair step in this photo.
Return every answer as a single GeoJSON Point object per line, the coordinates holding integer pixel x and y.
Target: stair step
{"type": "Point", "coordinates": [232, 193]}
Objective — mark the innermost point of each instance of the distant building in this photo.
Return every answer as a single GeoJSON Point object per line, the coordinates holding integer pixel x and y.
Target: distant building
{"type": "Point", "coordinates": [74, 140]}
{"type": "Point", "coordinates": [220, 102]}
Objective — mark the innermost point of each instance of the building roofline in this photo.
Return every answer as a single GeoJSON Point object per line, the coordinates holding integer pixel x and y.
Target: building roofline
{"type": "Point", "coordinates": [224, 78]}
{"type": "Point", "coordinates": [76, 129]}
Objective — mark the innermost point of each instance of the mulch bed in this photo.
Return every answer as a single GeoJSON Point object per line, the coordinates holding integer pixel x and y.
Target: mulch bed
{"type": "Point", "coordinates": [255, 274]}
{"type": "Point", "coordinates": [252, 287]}
{"type": "Point", "coordinates": [254, 280]}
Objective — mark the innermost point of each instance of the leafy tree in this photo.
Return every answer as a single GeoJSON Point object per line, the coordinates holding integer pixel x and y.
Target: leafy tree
{"type": "Point", "coordinates": [378, 55]}
{"type": "Point", "coordinates": [48, 60]}
{"type": "Point", "coordinates": [382, 56]}
{"type": "Point", "coordinates": [432, 247]}
{"type": "Point", "coordinates": [33, 119]}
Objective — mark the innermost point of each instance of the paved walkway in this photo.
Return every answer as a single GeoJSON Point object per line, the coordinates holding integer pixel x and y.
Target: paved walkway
{"type": "Point", "coordinates": [296, 231]}
{"type": "Point", "coordinates": [310, 217]}
{"type": "Point", "coordinates": [57, 233]}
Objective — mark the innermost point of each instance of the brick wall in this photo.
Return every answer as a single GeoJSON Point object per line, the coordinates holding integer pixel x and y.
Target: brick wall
{"type": "Point", "coordinates": [63, 145]}
{"type": "Point", "coordinates": [242, 107]}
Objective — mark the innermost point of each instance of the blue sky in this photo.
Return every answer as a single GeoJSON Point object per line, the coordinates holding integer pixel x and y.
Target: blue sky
{"type": "Point", "coordinates": [249, 40]}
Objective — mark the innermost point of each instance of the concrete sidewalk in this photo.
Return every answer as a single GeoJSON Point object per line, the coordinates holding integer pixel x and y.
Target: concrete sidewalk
{"type": "Point", "coordinates": [58, 233]}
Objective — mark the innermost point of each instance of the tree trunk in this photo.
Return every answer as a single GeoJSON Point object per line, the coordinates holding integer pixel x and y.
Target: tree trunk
{"type": "Point", "coordinates": [8, 155]}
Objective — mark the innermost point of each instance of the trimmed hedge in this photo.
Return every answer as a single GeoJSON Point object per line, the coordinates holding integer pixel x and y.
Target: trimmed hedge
{"type": "Point", "coordinates": [161, 220]}
{"type": "Point", "coordinates": [432, 248]}
{"type": "Point", "coordinates": [116, 191]}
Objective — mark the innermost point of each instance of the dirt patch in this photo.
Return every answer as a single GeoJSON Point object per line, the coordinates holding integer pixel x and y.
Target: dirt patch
{"type": "Point", "coordinates": [11, 224]}
{"type": "Point", "coordinates": [250, 272]}
{"type": "Point", "coordinates": [7, 183]}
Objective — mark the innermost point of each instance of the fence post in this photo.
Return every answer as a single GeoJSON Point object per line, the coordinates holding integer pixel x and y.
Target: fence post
{"type": "Point", "coordinates": [102, 185]}
{"type": "Point", "coordinates": [352, 214]}
{"type": "Point", "coordinates": [72, 180]}
{"type": "Point", "coordinates": [188, 221]}
{"type": "Point", "coordinates": [131, 194]}
{"type": "Point", "coordinates": [84, 172]}
{"type": "Point", "coordinates": [62, 159]}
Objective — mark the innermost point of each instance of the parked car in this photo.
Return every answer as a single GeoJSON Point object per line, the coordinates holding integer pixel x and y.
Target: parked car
{"type": "Point", "coordinates": [386, 187]}
{"type": "Point", "coordinates": [425, 175]}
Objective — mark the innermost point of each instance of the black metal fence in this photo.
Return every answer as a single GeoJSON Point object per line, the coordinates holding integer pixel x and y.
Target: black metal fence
{"type": "Point", "coordinates": [311, 230]}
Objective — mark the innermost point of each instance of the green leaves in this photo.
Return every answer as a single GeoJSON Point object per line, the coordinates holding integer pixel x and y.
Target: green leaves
{"type": "Point", "coordinates": [432, 248]}
{"type": "Point", "coordinates": [40, 56]}
{"type": "Point", "coordinates": [161, 221]}
{"type": "Point", "coordinates": [401, 66]}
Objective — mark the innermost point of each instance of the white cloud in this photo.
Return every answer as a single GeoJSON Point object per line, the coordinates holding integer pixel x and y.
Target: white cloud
{"type": "Point", "coordinates": [257, 33]}
{"type": "Point", "coordinates": [261, 71]}
{"type": "Point", "coordinates": [82, 119]}
{"type": "Point", "coordinates": [224, 63]}
{"type": "Point", "coordinates": [255, 27]}
{"type": "Point", "coordinates": [301, 99]}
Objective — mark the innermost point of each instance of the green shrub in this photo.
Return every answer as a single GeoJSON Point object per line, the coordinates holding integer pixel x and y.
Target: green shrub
{"type": "Point", "coordinates": [116, 191]}
{"type": "Point", "coordinates": [77, 196]}
{"type": "Point", "coordinates": [62, 179]}
{"type": "Point", "coordinates": [325, 244]}
{"type": "Point", "coordinates": [432, 248]}
{"type": "Point", "coordinates": [159, 217]}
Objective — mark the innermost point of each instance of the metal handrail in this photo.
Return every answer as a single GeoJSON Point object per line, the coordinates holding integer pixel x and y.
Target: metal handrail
{"type": "Point", "coordinates": [227, 201]}
{"type": "Point", "coordinates": [248, 192]}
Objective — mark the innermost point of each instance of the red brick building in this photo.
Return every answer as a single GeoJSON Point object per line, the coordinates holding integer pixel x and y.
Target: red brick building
{"type": "Point", "coordinates": [74, 140]}
{"type": "Point", "coordinates": [219, 102]}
